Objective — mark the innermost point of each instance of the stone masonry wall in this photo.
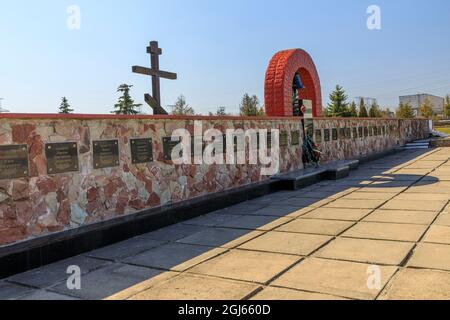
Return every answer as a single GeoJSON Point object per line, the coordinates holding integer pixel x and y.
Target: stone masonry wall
{"type": "Point", "coordinates": [44, 203]}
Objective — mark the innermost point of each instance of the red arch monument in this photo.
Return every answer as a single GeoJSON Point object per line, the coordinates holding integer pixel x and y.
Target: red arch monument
{"type": "Point", "coordinates": [279, 78]}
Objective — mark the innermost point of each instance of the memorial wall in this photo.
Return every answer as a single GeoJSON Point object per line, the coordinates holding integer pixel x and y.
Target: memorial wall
{"type": "Point", "coordinates": [59, 172]}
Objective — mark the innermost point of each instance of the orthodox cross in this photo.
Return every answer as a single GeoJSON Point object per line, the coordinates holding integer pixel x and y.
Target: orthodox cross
{"type": "Point", "coordinates": [154, 101]}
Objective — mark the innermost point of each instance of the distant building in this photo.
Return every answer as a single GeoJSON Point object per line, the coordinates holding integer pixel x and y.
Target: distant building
{"type": "Point", "coordinates": [416, 100]}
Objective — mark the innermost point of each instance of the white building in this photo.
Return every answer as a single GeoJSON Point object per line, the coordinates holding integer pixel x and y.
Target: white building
{"type": "Point", "coordinates": [416, 100]}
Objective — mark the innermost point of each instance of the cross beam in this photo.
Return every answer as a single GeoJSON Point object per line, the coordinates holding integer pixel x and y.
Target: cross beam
{"type": "Point", "coordinates": [155, 101]}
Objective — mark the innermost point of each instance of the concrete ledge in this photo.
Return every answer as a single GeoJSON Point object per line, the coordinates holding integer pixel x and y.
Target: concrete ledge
{"type": "Point", "coordinates": [302, 178]}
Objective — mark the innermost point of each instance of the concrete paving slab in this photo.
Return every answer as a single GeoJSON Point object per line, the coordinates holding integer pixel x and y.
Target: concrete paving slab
{"type": "Point", "coordinates": [273, 293]}
{"type": "Point", "coordinates": [142, 286]}
{"type": "Point", "coordinates": [194, 287]}
{"type": "Point", "coordinates": [438, 234]}
{"type": "Point", "coordinates": [251, 266]}
{"type": "Point", "coordinates": [341, 278]}
{"type": "Point", "coordinates": [300, 202]}
{"type": "Point", "coordinates": [369, 196]}
{"type": "Point", "coordinates": [106, 281]}
{"type": "Point", "coordinates": [420, 205]}
{"type": "Point", "coordinates": [316, 226]}
{"type": "Point", "coordinates": [443, 220]}
{"type": "Point", "coordinates": [337, 214]}
{"type": "Point", "coordinates": [42, 295]}
{"type": "Point", "coordinates": [57, 272]}
{"type": "Point", "coordinates": [414, 284]}
{"type": "Point", "coordinates": [383, 188]}
{"type": "Point", "coordinates": [386, 231]}
{"type": "Point", "coordinates": [11, 291]}
{"type": "Point", "coordinates": [174, 256]}
{"type": "Point", "coordinates": [366, 251]}
{"type": "Point", "coordinates": [211, 220]}
{"type": "Point", "coordinates": [355, 204]}
{"type": "Point", "coordinates": [275, 210]}
{"type": "Point", "coordinates": [254, 222]}
{"type": "Point", "coordinates": [125, 249]}
{"type": "Point", "coordinates": [402, 216]}
{"type": "Point", "coordinates": [173, 233]}
{"type": "Point", "coordinates": [328, 194]}
{"type": "Point", "coordinates": [431, 256]}
{"type": "Point", "coordinates": [221, 237]}
{"type": "Point", "coordinates": [287, 243]}
{"type": "Point", "coordinates": [423, 197]}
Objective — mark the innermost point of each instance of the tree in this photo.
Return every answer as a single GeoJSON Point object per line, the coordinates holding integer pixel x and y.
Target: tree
{"type": "Point", "coordinates": [181, 108]}
{"type": "Point", "coordinates": [250, 106]}
{"type": "Point", "coordinates": [64, 108]}
{"type": "Point", "coordinates": [426, 109]}
{"type": "Point", "coordinates": [447, 106]}
{"type": "Point", "coordinates": [339, 105]}
{"type": "Point", "coordinates": [126, 104]}
{"type": "Point", "coordinates": [387, 113]}
{"type": "Point", "coordinates": [362, 109]}
{"type": "Point", "coordinates": [353, 112]}
{"type": "Point", "coordinates": [221, 112]}
{"type": "Point", "coordinates": [405, 111]}
{"type": "Point", "coordinates": [374, 111]}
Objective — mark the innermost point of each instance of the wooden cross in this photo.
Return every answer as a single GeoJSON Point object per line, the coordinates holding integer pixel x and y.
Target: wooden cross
{"type": "Point", "coordinates": [155, 100]}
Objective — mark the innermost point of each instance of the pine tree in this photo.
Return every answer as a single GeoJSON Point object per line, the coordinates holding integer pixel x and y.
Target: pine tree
{"type": "Point", "coordinates": [426, 109]}
{"type": "Point", "coordinates": [405, 111]}
{"type": "Point", "coordinates": [181, 108]}
{"type": "Point", "coordinates": [339, 105]}
{"type": "Point", "coordinates": [362, 109]}
{"type": "Point", "coordinates": [353, 112]}
{"type": "Point", "coordinates": [64, 108]}
{"type": "Point", "coordinates": [447, 106]}
{"type": "Point", "coordinates": [221, 112]}
{"type": "Point", "coordinates": [374, 111]}
{"type": "Point", "coordinates": [250, 106]}
{"type": "Point", "coordinates": [125, 104]}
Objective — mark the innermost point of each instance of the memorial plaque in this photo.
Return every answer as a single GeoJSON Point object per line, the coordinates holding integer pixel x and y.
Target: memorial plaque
{"type": "Point", "coordinates": [327, 135]}
{"type": "Point", "coordinates": [296, 138]}
{"type": "Point", "coordinates": [269, 140]}
{"type": "Point", "coordinates": [342, 133]}
{"type": "Point", "coordinates": [284, 139]}
{"type": "Point", "coordinates": [106, 154]}
{"type": "Point", "coordinates": [168, 146]}
{"type": "Point", "coordinates": [141, 151]}
{"type": "Point", "coordinates": [370, 131]}
{"type": "Point", "coordinates": [355, 132]}
{"type": "Point", "coordinates": [375, 131]}
{"type": "Point", "coordinates": [360, 132]}
{"type": "Point", "coordinates": [348, 133]}
{"type": "Point", "coordinates": [319, 136]}
{"type": "Point", "coordinates": [13, 161]}
{"type": "Point", "coordinates": [61, 157]}
{"type": "Point", "coordinates": [334, 134]}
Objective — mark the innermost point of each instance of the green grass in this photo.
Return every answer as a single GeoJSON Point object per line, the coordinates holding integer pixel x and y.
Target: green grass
{"type": "Point", "coordinates": [443, 129]}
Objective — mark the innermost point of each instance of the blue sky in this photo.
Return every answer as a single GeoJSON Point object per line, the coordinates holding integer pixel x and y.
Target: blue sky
{"type": "Point", "coordinates": [220, 49]}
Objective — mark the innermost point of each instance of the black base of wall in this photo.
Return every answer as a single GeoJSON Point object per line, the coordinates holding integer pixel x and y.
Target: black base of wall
{"type": "Point", "coordinates": [34, 253]}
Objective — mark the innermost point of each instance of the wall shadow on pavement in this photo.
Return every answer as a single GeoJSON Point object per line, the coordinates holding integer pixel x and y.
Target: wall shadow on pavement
{"type": "Point", "coordinates": [119, 267]}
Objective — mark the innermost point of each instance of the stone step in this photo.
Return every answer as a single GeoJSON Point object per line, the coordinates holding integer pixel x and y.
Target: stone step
{"type": "Point", "coordinates": [331, 171]}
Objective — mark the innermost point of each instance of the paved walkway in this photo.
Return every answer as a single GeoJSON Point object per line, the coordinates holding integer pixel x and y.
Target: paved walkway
{"type": "Point", "coordinates": [382, 233]}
